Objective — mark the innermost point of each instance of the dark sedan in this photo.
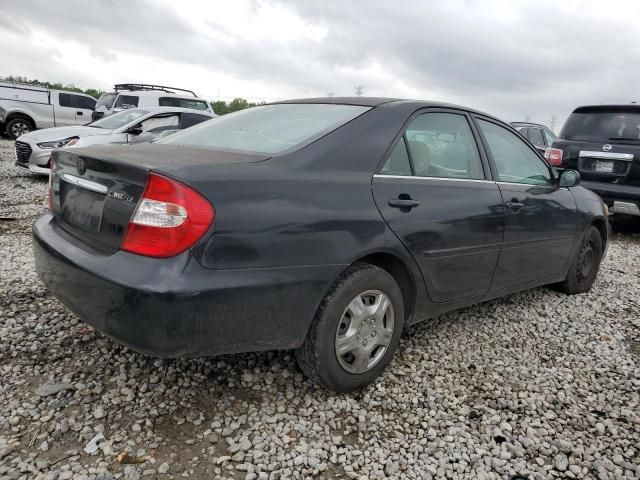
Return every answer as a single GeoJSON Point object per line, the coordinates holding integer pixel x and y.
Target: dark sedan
{"type": "Point", "coordinates": [321, 225]}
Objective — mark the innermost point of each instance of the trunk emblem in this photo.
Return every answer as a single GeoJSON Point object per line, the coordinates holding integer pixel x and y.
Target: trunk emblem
{"type": "Point", "coordinates": [81, 166]}
{"type": "Point", "coordinates": [121, 196]}
{"type": "Point", "coordinates": [607, 148]}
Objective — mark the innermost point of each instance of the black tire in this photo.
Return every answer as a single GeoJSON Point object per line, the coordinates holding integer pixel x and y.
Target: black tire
{"type": "Point", "coordinates": [317, 357]}
{"type": "Point", "coordinates": [19, 126]}
{"type": "Point", "coordinates": [585, 264]}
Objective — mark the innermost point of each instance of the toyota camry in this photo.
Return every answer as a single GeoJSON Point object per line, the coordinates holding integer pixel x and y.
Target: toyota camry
{"type": "Point", "coordinates": [325, 226]}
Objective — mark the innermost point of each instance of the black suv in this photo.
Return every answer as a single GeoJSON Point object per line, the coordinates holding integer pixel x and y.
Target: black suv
{"type": "Point", "coordinates": [539, 135]}
{"type": "Point", "coordinates": [603, 143]}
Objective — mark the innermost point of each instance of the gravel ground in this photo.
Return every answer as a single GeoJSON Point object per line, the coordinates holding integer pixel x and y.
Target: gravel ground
{"type": "Point", "coordinates": [538, 384]}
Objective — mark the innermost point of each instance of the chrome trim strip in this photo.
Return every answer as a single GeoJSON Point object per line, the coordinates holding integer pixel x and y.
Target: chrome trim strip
{"type": "Point", "coordinates": [607, 155]}
{"type": "Point", "coordinates": [411, 177]}
{"type": "Point", "coordinates": [84, 183]}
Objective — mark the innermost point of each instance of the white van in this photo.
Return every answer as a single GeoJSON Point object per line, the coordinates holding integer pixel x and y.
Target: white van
{"type": "Point", "coordinates": [142, 95]}
{"type": "Point", "coordinates": [24, 108]}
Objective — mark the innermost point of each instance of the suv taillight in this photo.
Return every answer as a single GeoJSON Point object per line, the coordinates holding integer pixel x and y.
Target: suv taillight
{"type": "Point", "coordinates": [553, 156]}
{"type": "Point", "coordinates": [169, 219]}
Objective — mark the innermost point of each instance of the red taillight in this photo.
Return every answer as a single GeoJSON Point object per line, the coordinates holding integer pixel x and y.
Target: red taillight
{"type": "Point", "coordinates": [51, 164]}
{"type": "Point", "coordinates": [553, 156]}
{"type": "Point", "coordinates": [169, 219]}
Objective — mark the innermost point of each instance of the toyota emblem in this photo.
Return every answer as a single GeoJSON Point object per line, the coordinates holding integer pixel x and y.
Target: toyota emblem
{"type": "Point", "coordinates": [607, 148]}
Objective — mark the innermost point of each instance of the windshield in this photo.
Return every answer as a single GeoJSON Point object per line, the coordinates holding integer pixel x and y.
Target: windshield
{"type": "Point", "coordinates": [106, 100]}
{"type": "Point", "coordinates": [267, 129]}
{"type": "Point", "coordinates": [602, 125]}
{"type": "Point", "coordinates": [119, 119]}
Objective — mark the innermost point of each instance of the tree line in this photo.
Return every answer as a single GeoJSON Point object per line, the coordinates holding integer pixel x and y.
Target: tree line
{"type": "Point", "coordinates": [220, 107]}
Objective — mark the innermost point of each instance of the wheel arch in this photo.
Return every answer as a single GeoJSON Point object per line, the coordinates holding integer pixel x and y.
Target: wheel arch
{"type": "Point", "coordinates": [400, 271]}
{"type": "Point", "coordinates": [601, 225]}
{"type": "Point", "coordinates": [17, 114]}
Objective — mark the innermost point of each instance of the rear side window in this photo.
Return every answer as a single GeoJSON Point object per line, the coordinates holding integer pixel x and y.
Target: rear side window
{"type": "Point", "coordinates": [602, 125]}
{"type": "Point", "coordinates": [535, 136]}
{"type": "Point", "coordinates": [515, 161]}
{"type": "Point", "coordinates": [127, 101]}
{"type": "Point", "coordinates": [268, 129]}
{"type": "Point", "coordinates": [66, 100]}
{"type": "Point", "coordinates": [182, 103]}
{"type": "Point", "coordinates": [85, 102]}
{"type": "Point", "coordinates": [398, 162]}
{"type": "Point", "coordinates": [442, 145]}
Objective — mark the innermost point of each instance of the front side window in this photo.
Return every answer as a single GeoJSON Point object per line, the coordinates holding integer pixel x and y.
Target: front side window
{"type": "Point", "coordinates": [514, 160]}
{"type": "Point", "coordinates": [119, 119]}
{"type": "Point", "coordinates": [85, 102]}
{"type": "Point", "coordinates": [160, 123]}
{"type": "Point", "coordinates": [268, 129]}
{"type": "Point", "coordinates": [442, 145]}
{"type": "Point", "coordinates": [127, 101]}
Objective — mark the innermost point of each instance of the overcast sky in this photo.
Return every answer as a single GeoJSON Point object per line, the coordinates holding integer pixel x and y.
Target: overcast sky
{"type": "Point", "coordinates": [514, 59]}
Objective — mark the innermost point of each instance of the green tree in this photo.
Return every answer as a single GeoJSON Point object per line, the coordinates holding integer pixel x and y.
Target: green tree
{"type": "Point", "coordinates": [95, 93]}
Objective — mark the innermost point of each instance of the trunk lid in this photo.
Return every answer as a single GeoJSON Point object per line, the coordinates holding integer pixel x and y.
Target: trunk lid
{"type": "Point", "coordinates": [602, 162]}
{"type": "Point", "coordinates": [95, 190]}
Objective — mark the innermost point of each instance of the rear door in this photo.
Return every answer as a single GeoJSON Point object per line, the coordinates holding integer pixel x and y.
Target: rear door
{"type": "Point", "coordinates": [540, 219]}
{"type": "Point", "coordinates": [434, 191]}
{"type": "Point", "coordinates": [65, 111]}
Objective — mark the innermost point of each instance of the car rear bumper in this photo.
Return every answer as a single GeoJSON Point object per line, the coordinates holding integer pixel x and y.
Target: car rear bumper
{"type": "Point", "coordinates": [175, 307]}
{"type": "Point", "coordinates": [619, 198]}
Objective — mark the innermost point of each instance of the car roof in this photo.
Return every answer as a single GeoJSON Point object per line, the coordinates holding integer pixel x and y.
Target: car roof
{"type": "Point", "coordinates": [383, 101]}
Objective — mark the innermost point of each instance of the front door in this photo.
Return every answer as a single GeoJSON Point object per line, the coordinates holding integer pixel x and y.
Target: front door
{"type": "Point", "coordinates": [435, 193]}
{"type": "Point", "coordinates": [540, 220]}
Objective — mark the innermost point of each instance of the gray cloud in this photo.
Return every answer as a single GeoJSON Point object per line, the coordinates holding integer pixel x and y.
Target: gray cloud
{"type": "Point", "coordinates": [512, 59]}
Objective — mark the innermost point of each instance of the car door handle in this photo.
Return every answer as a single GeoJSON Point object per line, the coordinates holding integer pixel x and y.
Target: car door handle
{"type": "Point", "coordinates": [403, 203]}
{"type": "Point", "coordinates": [514, 205]}
{"type": "Point", "coordinates": [79, 113]}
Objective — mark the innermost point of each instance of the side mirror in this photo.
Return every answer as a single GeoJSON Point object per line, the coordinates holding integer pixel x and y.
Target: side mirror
{"type": "Point", "coordinates": [569, 178]}
{"type": "Point", "coordinates": [135, 130]}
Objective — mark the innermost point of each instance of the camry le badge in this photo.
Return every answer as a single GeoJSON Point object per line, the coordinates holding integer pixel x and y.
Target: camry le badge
{"type": "Point", "coordinates": [607, 147]}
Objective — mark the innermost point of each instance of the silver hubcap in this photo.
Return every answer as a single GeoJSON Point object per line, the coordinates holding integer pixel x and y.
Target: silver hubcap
{"type": "Point", "coordinates": [364, 332]}
{"type": "Point", "coordinates": [19, 128]}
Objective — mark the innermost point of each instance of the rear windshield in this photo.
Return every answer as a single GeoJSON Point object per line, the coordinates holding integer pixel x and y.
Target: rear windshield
{"type": "Point", "coordinates": [269, 129]}
{"type": "Point", "coordinates": [106, 100]}
{"type": "Point", "coordinates": [602, 126]}
{"type": "Point", "coordinates": [182, 103]}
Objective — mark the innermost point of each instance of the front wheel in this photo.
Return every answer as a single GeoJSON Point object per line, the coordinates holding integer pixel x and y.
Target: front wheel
{"type": "Point", "coordinates": [355, 331]}
{"type": "Point", "coordinates": [585, 264]}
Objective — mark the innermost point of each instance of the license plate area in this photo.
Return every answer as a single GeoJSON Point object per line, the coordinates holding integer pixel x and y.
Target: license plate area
{"type": "Point", "coordinates": [603, 166]}
{"type": "Point", "coordinates": [80, 207]}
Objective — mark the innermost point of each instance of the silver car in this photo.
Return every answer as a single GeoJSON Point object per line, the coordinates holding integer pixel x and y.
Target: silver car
{"type": "Point", "coordinates": [33, 150]}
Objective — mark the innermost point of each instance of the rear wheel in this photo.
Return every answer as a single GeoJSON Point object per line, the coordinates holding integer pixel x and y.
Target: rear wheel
{"type": "Point", "coordinates": [18, 126]}
{"type": "Point", "coordinates": [585, 264]}
{"type": "Point", "coordinates": [356, 330]}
